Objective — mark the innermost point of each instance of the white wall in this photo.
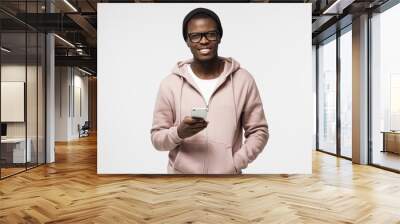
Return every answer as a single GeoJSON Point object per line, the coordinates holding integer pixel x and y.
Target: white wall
{"type": "Point", "coordinates": [61, 103]}
{"type": "Point", "coordinates": [138, 45]}
{"type": "Point", "coordinates": [68, 81]}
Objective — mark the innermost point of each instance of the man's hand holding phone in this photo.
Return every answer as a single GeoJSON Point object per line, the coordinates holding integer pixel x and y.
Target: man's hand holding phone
{"type": "Point", "coordinates": [191, 126]}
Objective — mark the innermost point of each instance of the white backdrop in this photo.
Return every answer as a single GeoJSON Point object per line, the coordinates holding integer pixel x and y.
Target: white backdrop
{"type": "Point", "coordinates": [138, 45]}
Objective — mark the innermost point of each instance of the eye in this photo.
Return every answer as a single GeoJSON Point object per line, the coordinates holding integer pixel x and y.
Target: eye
{"type": "Point", "coordinates": [212, 35]}
{"type": "Point", "coordinates": [195, 37]}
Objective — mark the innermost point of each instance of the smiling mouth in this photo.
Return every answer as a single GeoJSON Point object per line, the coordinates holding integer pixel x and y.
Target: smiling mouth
{"type": "Point", "coordinates": [205, 51]}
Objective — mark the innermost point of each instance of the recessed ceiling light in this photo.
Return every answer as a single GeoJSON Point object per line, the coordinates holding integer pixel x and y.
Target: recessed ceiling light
{"type": "Point", "coordinates": [338, 6]}
{"type": "Point", "coordinates": [70, 5]}
{"type": "Point", "coordinates": [64, 40]}
{"type": "Point", "coordinates": [5, 50]}
{"type": "Point", "coordinates": [86, 72]}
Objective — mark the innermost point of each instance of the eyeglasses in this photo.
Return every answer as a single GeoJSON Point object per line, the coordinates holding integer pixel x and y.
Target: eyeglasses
{"type": "Point", "coordinates": [196, 37]}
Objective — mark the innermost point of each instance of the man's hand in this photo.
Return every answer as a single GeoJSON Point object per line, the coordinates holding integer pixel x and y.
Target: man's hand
{"type": "Point", "coordinates": [191, 126]}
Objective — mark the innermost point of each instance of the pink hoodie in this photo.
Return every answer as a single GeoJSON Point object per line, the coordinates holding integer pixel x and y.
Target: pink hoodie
{"type": "Point", "coordinates": [218, 149]}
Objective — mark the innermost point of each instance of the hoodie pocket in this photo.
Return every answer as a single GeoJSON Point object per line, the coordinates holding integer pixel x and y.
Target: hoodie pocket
{"type": "Point", "coordinates": [190, 157]}
{"type": "Point", "coordinates": [220, 158]}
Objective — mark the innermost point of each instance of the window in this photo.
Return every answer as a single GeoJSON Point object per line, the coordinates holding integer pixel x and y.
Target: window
{"type": "Point", "coordinates": [385, 88]}
{"type": "Point", "coordinates": [327, 96]}
{"type": "Point", "coordinates": [346, 93]}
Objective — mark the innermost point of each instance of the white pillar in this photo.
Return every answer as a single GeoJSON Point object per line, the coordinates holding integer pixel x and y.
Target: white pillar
{"type": "Point", "coordinates": [50, 110]}
{"type": "Point", "coordinates": [360, 90]}
{"type": "Point", "coordinates": [50, 91]}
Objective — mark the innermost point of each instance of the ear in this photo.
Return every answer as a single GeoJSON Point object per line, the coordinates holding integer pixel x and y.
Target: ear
{"type": "Point", "coordinates": [219, 38]}
{"type": "Point", "coordinates": [188, 42]}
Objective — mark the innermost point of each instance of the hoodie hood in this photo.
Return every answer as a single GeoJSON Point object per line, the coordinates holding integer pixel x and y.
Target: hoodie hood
{"type": "Point", "coordinates": [230, 67]}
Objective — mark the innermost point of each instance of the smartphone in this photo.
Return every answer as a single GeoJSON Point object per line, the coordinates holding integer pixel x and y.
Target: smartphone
{"type": "Point", "coordinates": [198, 112]}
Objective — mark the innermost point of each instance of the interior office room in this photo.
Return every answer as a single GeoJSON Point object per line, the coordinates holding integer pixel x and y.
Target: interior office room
{"type": "Point", "coordinates": [49, 126]}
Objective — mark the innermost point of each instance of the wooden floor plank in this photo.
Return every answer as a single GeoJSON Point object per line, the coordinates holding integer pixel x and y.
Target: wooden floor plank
{"type": "Point", "coordinates": [70, 191]}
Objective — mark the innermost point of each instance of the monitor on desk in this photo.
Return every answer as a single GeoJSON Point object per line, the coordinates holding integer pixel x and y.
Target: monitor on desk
{"type": "Point", "coordinates": [3, 130]}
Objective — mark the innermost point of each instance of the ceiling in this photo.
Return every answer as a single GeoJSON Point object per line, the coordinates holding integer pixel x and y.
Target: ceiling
{"type": "Point", "coordinates": [76, 22]}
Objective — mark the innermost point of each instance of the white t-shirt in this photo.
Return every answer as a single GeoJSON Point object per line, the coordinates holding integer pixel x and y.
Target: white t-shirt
{"type": "Point", "coordinates": [206, 86]}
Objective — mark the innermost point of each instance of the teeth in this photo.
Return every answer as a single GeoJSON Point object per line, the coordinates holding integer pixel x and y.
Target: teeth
{"type": "Point", "coordinates": [205, 51]}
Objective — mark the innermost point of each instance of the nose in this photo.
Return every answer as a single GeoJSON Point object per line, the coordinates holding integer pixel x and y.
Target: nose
{"type": "Point", "coordinates": [203, 39]}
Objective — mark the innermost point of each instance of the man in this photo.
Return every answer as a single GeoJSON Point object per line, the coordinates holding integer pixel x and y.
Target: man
{"type": "Point", "coordinates": [229, 92]}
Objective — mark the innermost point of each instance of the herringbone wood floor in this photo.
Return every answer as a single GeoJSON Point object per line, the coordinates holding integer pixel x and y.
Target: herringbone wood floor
{"type": "Point", "coordinates": [70, 191]}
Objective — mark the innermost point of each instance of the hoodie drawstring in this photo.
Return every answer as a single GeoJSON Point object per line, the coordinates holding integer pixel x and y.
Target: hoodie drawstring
{"type": "Point", "coordinates": [234, 101]}
{"type": "Point", "coordinates": [231, 71]}
{"type": "Point", "coordinates": [180, 103]}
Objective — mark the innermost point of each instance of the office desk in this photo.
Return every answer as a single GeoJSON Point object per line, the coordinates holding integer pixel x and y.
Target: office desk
{"type": "Point", "coordinates": [13, 150]}
{"type": "Point", "coordinates": [391, 141]}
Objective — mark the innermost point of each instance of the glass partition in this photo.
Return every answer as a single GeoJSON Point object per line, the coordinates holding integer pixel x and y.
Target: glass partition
{"type": "Point", "coordinates": [34, 64]}
{"type": "Point", "coordinates": [22, 77]}
{"type": "Point", "coordinates": [32, 95]}
{"type": "Point", "coordinates": [41, 107]}
{"type": "Point", "coordinates": [13, 105]}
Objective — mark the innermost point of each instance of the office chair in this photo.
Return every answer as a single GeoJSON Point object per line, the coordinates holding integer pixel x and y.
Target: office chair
{"type": "Point", "coordinates": [84, 130]}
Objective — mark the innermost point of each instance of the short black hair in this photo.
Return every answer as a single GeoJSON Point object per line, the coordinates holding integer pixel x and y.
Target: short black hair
{"type": "Point", "coordinates": [200, 13]}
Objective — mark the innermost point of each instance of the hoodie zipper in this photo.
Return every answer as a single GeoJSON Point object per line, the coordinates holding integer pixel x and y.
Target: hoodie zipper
{"type": "Point", "coordinates": [205, 169]}
{"type": "Point", "coordinates": [208, 109]}
{"type": "Point", "coordinates": [207, 106]}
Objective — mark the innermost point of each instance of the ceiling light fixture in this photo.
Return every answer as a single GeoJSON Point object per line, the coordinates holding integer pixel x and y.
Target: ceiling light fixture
{"type": "Point", "coordinates": [79, 51]}
{"type": "Point", "coordinates": [5, 50]}
{"type": "Point", "coordinates": [337, 7]}
{"type": "Point", "coordinates": [86, 72]}
{"type": "Point", "coordinates": [70, 5]}
{"type": "Point", "coordinates": [64, 40]}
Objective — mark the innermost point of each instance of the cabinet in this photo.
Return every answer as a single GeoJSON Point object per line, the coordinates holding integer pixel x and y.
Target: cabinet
{"type": "Point", "coordinates": [391, 141]}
